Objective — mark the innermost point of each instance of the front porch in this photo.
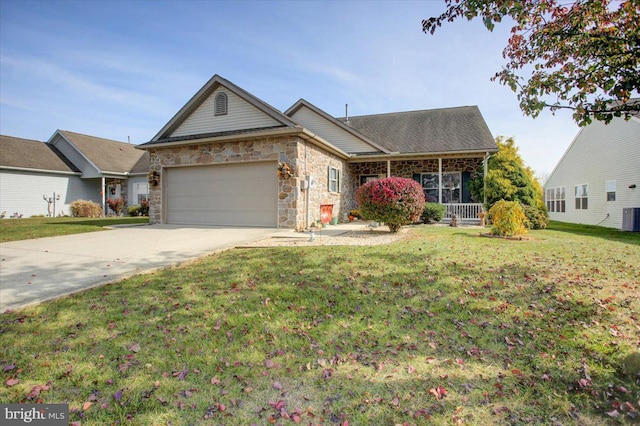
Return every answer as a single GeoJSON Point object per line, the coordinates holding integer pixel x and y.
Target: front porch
{"type": "Point", "coordinates": [467, 213]}
{"type": "Point", "coordinates": [444, 179]}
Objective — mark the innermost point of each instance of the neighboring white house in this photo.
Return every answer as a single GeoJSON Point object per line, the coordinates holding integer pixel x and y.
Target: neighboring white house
{"type": "Point", "coordinates": [43, 178]}
{"type": "Point", "coordinates": [598, 176]}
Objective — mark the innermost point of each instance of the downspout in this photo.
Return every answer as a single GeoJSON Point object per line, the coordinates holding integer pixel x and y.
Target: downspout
{"type": "Point", "coordinates": [388, 168]}
{"type": "Point", "coordinates": [440, 180]}
{"type": "Point", "coordinates": [104, 195]}
{"type": "Point", "coordinates": [308, 187]}
{"type": "Point", "coordinates": [484, 178]}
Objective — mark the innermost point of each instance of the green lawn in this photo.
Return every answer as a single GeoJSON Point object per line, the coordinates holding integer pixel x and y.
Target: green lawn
{"type": "Point", "coordinates": [444, 327]}
{"type": "Point", "coordinates": [40, 227]}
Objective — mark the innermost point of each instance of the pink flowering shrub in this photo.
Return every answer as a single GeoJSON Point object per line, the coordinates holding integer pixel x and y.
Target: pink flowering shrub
{"type": "Point", "coordinates": [394, 201]}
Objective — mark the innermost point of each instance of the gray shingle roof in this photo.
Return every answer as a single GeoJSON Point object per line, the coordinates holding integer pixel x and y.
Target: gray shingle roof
{"type": "Point", "coordinates": [108, 155]}
{"type": "Point", "coordinates": [457, 129]}
{"type": "Point", "coordinates": [31, 154]}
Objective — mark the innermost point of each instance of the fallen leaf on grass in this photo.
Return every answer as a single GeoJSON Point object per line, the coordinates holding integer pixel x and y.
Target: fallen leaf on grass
{"type": "Point", "coordinates": [438, 392]}
{"type": "Point", "coordinates": [35, 391]}
{"type": "Point", "coordinates": [614, 413]}
{"type": "Point", "coordinates": [12, 382]}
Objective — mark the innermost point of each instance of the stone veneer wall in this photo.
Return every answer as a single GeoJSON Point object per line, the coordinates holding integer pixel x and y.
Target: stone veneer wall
{"type": "Point", "coordinates": [281, 149]}
{"type": "Point", "coordinates": [314, 161]}
{"type": "Point", "coordinates": [303, 157]}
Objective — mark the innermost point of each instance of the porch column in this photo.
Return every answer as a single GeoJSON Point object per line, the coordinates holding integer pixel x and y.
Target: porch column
{"type": "Point", "coordinates": [103, 191]}
{"type": "Point", "coordinates": [388, 168]}
{"type": "Point", "coordinates": [484, 177]}
{"type": "Point", "coordinates": [440, 180]}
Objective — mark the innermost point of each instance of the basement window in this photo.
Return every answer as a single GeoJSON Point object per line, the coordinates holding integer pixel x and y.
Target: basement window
{"type": "Point", "coordinates": [220, 104]}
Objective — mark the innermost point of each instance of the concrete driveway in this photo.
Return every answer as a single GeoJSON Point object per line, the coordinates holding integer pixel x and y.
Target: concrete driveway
{"type": "Point", "coordinates": [32, 271]}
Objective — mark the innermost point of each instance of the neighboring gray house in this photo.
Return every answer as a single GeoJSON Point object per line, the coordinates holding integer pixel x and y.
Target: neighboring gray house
{"type": "Point", "coordinates": [228, 158]}
{"type": "Point", "coordinates": [70, 166]}
{"type": "Point", "coordinates": [597, 180]}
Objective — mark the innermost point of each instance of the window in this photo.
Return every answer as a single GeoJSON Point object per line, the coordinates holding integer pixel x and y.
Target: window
{"type": "Point", "coordinates": [140, 191]}
{"type": "Point", "coordinates": [451, 185]}
{"type": "Point", "coordinates": [367, 178]}
{"type": "Point", "coordinates": [611, 190]}
{"type": "Point", "coordinates": [220, 104]}
{"type": "Point", "coordinates": [550, 195]}
{"type": "Point", "coordinates": [560, 200]}
{"type": "Point", "coordinates": [582, 197]}
{"type": "Point", "coordinates": [334, 179]}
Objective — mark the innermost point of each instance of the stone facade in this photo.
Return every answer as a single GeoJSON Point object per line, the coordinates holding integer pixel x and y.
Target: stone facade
{"type": "Point", "coordinates": [298, 205]}
{"type": "Point", "coordinates": [304, 158]}
{"type": "Point", "coordinates": [314, 162]}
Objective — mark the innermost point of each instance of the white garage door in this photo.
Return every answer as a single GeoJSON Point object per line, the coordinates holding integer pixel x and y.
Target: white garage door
{"type": "Point", "coordinates": [228, 194]}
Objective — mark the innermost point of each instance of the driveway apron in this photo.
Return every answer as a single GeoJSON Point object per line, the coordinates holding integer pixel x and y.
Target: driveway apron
{"type": "Point", "coordinates": [33, 271]}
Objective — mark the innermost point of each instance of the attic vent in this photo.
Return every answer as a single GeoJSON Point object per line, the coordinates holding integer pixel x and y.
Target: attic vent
{"type": "Point", "coordinates": [221, 104]}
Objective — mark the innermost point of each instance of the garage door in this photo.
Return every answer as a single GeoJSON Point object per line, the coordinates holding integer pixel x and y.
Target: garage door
{"type": "Point", "coordinates": [228, 194]}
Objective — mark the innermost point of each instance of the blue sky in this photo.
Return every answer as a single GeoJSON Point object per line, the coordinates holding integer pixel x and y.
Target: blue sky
{"type": "Point", "coordinates": [123, 69]}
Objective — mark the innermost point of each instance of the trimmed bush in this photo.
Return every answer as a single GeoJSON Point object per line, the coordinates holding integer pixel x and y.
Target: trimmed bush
{"type": "Point", "coordinates": [141, 210]}
{"type": "Point", "coordinates": [116, 204]}
{"type": "Point", "coordinates": [84, 208]}
{"type": "Point", "coordinates": [133, 211]}
{"type": "Point", "coordinates": [394, 201]}
{"type": "Point", "coordinates": [433, 212]}
{"type": "Point", "coordinates": [144, 207]}
{"type": "Point", "coordinates": [537, 218]}
{"type": "Point", "coordinates": [508, 218]}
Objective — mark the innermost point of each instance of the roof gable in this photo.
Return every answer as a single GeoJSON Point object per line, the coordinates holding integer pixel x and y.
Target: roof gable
{"type": "Point", "coordinates": [339, 134]}
{"type": "Point", "coordinates": [245, 111]}
{"type": "Point", "coordinates": [460, 129]}
{"type": "Point", "coordinates": [21, 153]}
{"type": "Point", "coordinates": [106, 155]}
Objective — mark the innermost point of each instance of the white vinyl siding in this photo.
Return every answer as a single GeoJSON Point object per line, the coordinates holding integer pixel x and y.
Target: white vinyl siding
{"type": "Point", "coordinates": [244, 194]}
{"type": "Point", "coordinates": [23, 191]}
{"type": "Point", "coordinates": [240, 115]}
{"type": "Point", "coordinates": [600, 153]}
{"type": "Point", "coordinates": [333, 134]}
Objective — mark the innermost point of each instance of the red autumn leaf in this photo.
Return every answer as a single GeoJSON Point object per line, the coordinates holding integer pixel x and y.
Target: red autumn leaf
{"type": "Point", "coordinates": [12, 382]}
{"type": "Point", "coordinates": [268, 363]}
{"type": "Point", "coordinates": [86, 405]}
{"type": "Point", "coordinates": [9, 367]}
{"type": "Point", "coordinates": [296, 418]}
{"type": "Point", "coordinates": [35, 391]}
{"type": "Point", "coordinates": [277, 405]}
{"type": "Point", "coordinates": [215, 381]}
{"type": "Point", "coordinates": [439, 392]}
{"type": "Point", "coordinates": [135, 347]}
{"type": "Point", "coordinates": [277, 385]}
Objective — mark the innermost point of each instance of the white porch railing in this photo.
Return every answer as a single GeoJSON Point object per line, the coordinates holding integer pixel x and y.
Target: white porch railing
{"type": "Point", "coordinates": [467, 212]}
